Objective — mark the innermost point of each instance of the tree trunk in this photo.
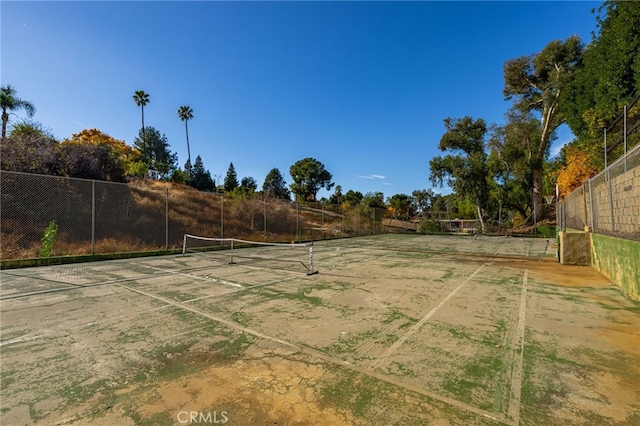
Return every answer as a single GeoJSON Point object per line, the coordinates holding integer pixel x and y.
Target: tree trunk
{"type": "Point", "coordinates": [144, 138]}
{"type": "Point", "coordinates": [5, 119]}
{"type": "Point", "coordinates": [186, 128]}
{"type": "Point", "coordinates": [537, 193]}
{"type": "Point", "coordinates": [481, 219]}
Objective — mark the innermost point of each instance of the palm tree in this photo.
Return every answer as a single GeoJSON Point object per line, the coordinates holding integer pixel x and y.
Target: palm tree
{"type": "Point", "coordinates": [10, 102]}
{"type": "Point", "coordinates": [186, 113]}
{"type": "Point", "coordinates": [141, 99]}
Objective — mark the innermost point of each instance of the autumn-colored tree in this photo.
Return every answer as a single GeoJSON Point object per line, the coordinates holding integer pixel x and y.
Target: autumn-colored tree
{"type": "Point", "coordinates": [96, 137]}
{"type": "Point", "coordinates": [578, 168]}
{"type": "Point", "coordinates": [92, 154]}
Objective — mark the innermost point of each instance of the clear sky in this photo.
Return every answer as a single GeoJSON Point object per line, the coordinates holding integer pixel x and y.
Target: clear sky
{"type": "Point", "coordinates": [363, 87]}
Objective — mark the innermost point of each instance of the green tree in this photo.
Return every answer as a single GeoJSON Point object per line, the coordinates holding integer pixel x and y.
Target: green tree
{"type": "Point", "coordinates": [9, 101]}
{"type": "Point", "coordinates": [188, 170]}
{"type": "Point", "coordinates": [403, 206]}
{"type": "Point", "coordinates": [275, 186]}
{"type": "Point", "coordinates": [608, 79]}
{"type": "Point", "coordinates": [513, 159]}
{"type": "Point", "coordinates": [466, 172]}
{"type": "Point", "coordinates": [179, 176]}
{"type": "Point", "coordinates": [154, 147]}
{"type": "Point", "coordinates": [537, 83]}
{"type": "Point", "coordinates": [141, 98]}
{"type": "Point", "coordinates": [201, 179]}
{"type": "Point", "coordinates": [186, 113]}
{"type": "Point", "coordinates": [374, 200]}
{"type": "Point", "coordinates": [248, 186]}
{"type": "Point", "coordinates": [336, 197]}
{"type": "Point", "coordinates": [231, 179]}
{"type": "Point", "coordinates": [353, 198]}
{"type": "Point", "coordinates": [309, 176]}
{"type": "Point", "coordinates": [423, 199]}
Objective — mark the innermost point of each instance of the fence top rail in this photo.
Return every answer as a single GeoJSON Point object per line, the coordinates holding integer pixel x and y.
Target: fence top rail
{"type": "Point", "coordinates": [617, 120]}
{"type": "Point", "coordinates": [633, 151]}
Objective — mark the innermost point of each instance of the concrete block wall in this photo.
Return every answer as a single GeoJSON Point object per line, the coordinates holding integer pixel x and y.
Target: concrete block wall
{"type": "Point", "coordinates": [626, 201]}
{"type": "Point", "coordinates": [614, 204]}
{"type": "Point", "coordinates": [618, 260]}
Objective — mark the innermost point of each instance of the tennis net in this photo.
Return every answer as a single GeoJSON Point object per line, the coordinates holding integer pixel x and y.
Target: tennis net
{"type": "Point", "coordinates": [235, 250]}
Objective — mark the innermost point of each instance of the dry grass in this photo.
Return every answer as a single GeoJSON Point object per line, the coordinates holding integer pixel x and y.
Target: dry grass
{"type": "Point", "coordinates": [133, 217]}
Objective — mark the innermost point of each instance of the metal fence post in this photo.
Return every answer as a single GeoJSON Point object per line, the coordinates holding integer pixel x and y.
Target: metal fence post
{"type": "Point", "coordinates": [298, 220]}
{"type": "Point", "coordinates": [591, 204]}
{"type": "Point", "coordinates": [93, 216]}
{"type": "Point", "coordinates": [166, 215]}
{"type": "Point", "coordinates": [584, 200]}
{"type": "Point", "coordinates": [264, 208]}
{"type": "Point", "coordinates": [373, 221]}
{"type": "Point", "coordinates": [625, 138]}
{"type": "Point", "coordinates": [608, 176]}
{"type": "Point", "coordinates": [222, 215]}
{"type": "Point", "coordinates": [322, 221]}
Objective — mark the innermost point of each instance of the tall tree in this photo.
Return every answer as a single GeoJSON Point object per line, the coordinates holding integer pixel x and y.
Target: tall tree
{"type": "Point", "coordinates": [608, 79]}
{"type": "Point", "coordinates": [423, 199]}
{"type": "Point", "coordinates": [9, 101]}
{"type": "Point", "coordinates": [337, 196]}
{"type": "Point", "coordinates": [141, 98]}
{"type": "Point", "coordinates": [156, 151]}
{"type": "Point", "coordinates": [275, 186]}
{"type": "Point", "coordinates": [537, 83]}
{"type": "Point", "coordinates": [309, 175]}
{"type": "Point", "coordinates": [466, 172]}
{"type": "Point", "coordinates": [513, 158]}
{"type": "Point", "coordinates": [186, 113]}
{"type": "Point", "coordinates": [201, 177]}
{"type": "Point", "coordinates": [231, 180]}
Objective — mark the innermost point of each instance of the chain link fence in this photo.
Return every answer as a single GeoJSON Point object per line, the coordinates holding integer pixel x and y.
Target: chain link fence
{"type": "Point", "coordinates": [96, 217]}
{"type": "Point", "coordinates": [608, 203]}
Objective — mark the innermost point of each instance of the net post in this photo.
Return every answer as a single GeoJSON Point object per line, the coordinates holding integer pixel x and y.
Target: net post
{"type": "Point", "coordinates": [184, 245]}
{"type": "Point", "coordinates": [231, 262]}
{"type": "Point", "coordinates": [312, 271]}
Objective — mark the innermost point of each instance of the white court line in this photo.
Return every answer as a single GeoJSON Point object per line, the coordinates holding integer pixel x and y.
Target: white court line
{"type": "Point", "coordinates": [499, 248]}
{"type": "Point", "coordinates": [206, 277]}
{"type": "Point", "coordinates": [424, 319]}
{"type": "Point", "coordinates": [89, 324]}
{"type": "Point", "coordinates": [326, 357]}
{"type": "Point", "coordinates": [517, 354]}
{"type": "Point", "coordinates": [245, 288]}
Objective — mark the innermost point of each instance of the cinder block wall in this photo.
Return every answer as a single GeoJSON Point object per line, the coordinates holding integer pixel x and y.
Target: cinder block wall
{"type": "Point", "coordinates": [618, 260]}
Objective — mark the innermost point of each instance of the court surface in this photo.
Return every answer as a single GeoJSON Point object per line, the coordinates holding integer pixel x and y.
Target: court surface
{"type": "Point", "coordinates": [394, 329]}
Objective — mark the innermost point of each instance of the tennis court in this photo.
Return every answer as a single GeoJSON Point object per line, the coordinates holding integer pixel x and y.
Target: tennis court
{"type": "Point", "coordinates": [393, 329]}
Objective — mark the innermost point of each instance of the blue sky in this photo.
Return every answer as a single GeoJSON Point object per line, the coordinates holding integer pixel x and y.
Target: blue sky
{"type": "Point", "coordinates": [363, 87]}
